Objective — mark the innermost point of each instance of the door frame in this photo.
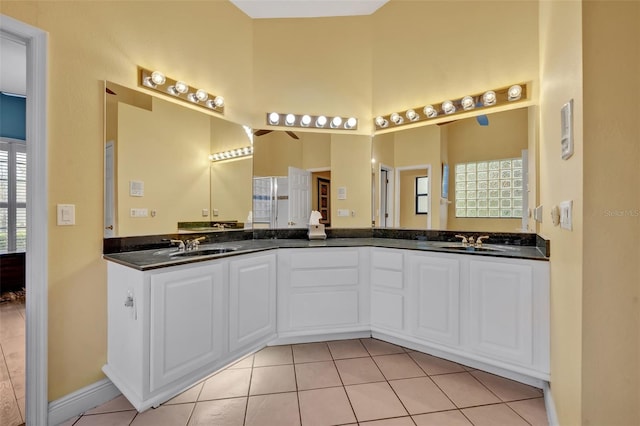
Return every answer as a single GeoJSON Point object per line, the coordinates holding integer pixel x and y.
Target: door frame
{"type": "Point", "coordinates": [427, 167]}
{"type": "Point", "coordinates": [36, 395]}
{"type": "Point", "coordinates": [391, 190]}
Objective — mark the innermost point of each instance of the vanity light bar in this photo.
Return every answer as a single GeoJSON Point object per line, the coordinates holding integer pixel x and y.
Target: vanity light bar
{"type": "Point", "coordinates": [488, 99]}
{"type": "Point", "coordinates": [157, 81]}
{"type": "Point", "coordinates": [312, 121]}
{"type": "Point", "coordinates": [247, 151]}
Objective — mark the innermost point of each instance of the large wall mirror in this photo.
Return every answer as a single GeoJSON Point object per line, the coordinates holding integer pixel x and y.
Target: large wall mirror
{"type": "Point", "coordinates": [291, 177]}
{"type": "Point", "coordinates": [486, 159]}
{"type": "Point", "coordinates": [157, 167]}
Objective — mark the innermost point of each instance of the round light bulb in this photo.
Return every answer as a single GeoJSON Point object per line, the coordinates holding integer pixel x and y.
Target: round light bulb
{"type": "Point", "coordinates": [430, 111]}
{"type": "Point", "coordinates": [218, 101]}
{"type": "Point", "coordinates": [467, 103]}
{"type": "Point", "coordinates": [201, 95]}
{"type": "Point", "coordinates": [274, 118]}
{"type": "Point", "coordinates": [351, 123]}
{"type": "Point", "coordinates": [305, 120]}
{"type": "Point", "coordinates": [158, 78]}
{"type": "Point", "coordinates": [396, 118]}
{"type": "Point", "coordinates": [514, 93]}
{"type": "Point", "coordinates": [181, 87]}
{"type": "Point", "coordinates": [192, 97]}
{"type": "Point", "coordinates": [448, 107]}
{"type": "Point", "coordinates": [290, 119]}
{"type": "Point", "coordinates": [321, 121]}
{"type": "Point", "coordinates": [411, 115]}
{"type": "Point", "coordinates": [336, 122]}
{"type": "Point", "coordinates": [489, 98]}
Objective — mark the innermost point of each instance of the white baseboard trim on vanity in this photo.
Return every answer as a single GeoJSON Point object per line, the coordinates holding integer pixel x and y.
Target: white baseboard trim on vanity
{"type": "Point", "coordinates": [292, 338]}
{"type": "Point", "coordinates": [81, 401]}
{"type": "Point", "coordinates": [552, 415]}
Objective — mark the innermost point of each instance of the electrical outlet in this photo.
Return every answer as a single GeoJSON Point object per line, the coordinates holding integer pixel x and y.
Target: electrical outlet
{"type": "Point", "coordinates": [139, 213]}
{"type": "Point", "coordinates": [566, 215]}
{"type": "Point", "coordinates": [343, 212]}
{"type": "Point", "coordinates": [205, 212]}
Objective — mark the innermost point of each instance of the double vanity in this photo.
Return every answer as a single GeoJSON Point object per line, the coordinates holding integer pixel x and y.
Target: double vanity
{"type": "Point", "coordinates": [176, 316]}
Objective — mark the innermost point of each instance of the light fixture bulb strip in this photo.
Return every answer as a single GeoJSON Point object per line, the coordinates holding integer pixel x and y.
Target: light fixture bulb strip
{"type": "Point", "coordinates": [280, 119]}
{"type": "Point", "coordinates": [231, 154]}
{"type": "Point", "coordinates": [501, 98]}
{"type": "Point", "coordinates": [192, 96]}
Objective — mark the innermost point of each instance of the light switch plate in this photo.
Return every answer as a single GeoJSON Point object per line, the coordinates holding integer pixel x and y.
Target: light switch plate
{"type": "Point", "coordinates": [342, 193]}
{"type": "Point", "coordinates": [66, 214]}
{"type": "Point", "coordinates": [537, 214]}
{"type": "Point", "coordinates": [566, 215]}
{"type": "Point", "coordinates": [343, 212]}
{"type": "Point", "coordinates": [139, 213]}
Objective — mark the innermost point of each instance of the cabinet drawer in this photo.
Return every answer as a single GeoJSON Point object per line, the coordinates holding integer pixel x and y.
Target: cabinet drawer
{"type": "Point", "coordinates": [318, 259]}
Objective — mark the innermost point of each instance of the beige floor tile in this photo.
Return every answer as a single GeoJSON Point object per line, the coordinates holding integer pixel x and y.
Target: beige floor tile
{"type": "Point", "coordinates": [443, 418]}
{"type": "Point", "coordinates": [273, 355]}
{"type": "Point", "coordinates": [21, 407]}
{"type": "Point", "coordinates": [324, 407]}
{"type": "Point", "coordinates": [311, 352]}
{"type": "Point", "coordinates": [358, 370]}
{"type": "Point", "coordinates": [221, 412]}
{"type": "Point", "coordinates": [505, 389]}
{"type": "Point", "coordinates": [9, 411]}
{"type": "Point", "coordinates": [378, 347]}
{"type": "Point", "coordinates": [119, 403]}
{"type": "Point", "coordinates": [493, 415]}
{"type": "Point", "coordinates": [277, 378]}
{"type": "Point", "coordinates": [464, 390]}
{"type": "Point", "coordinates": [14, 345]}
{"type": "Point", "coordinates": [4, 372]}
{"type": "Point", "coordinates": [373, 401]}
{"type": "Point", "coordinates": [341, 349]}
{"type": "Point", "coordinates": [315, 375]}
{"type": "Point", "coordinates": [190, 395]}
{"type": "Point", "coordinates": [273, 410]}
{"type": "Point", "coordinates": [120, 418]}
{"type": "Point", "coordinates": [227, 384]}
{"type": "Point", "coordinates": [421, 395]}
{"type": "Point", "coordinates": [433, 365]}
{"type": "Point", "coordinates": [246, 362]}
{"type": "Point", "coordinates": [398, 421]}
{"type": "Point", "coordinates": [165, 415]}
{"type": "Point", "coordinates": [533, 411]}
{"type": "Point", "coordinates": [398, 366]}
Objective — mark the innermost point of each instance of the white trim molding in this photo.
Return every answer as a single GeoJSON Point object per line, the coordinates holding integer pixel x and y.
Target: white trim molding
{"type": "Point", "coordinates": [37, 214]}
{"type": "Point", "coordinates": [84, 399]}
{"type": "Point", "coordinates": [552, 415]}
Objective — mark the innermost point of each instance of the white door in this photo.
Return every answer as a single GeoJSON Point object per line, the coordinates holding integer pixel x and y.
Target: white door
{"type": "Point", "coordinates": [501, 305]}
{"type": "Point", "coordinates": [299, 197]}
{"type": "Point", "coordinates": [435, 298]}
{"type": "Point", "coordinates": [187, 322]}
{"type": "Point", "coordinates": [252, 304]}
{"type": "Point", "coordinates": [109, 191]}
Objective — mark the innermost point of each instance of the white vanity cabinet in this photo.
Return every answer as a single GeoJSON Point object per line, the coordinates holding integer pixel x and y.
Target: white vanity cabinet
{"type": "Point", "coordinates": [509, 311]}
{"type": "Point", "coordinates": [434, 294]}
{"type": "Point", "coordinates": [322, 291]}
{"type": "Point", "coordinates": [252, 300]}
{"type": "Point", "coordinates": [388, 290]}
{"type": "Point", "coordinates": [170, 327]}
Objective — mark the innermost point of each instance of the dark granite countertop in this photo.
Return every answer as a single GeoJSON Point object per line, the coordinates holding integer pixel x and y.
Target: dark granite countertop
{"type": "Point", "coordinates": [164, 257]}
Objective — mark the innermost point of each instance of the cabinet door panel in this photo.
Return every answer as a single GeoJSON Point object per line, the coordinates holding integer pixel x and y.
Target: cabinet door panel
{"type": "Point", "coordinates": [322, 309]}
{"type": "Point", "coordinates": [387, 310]}
{"type": "Point", "coordinates": [252, 300]}
{"type": "Point", "coordinates": [501, 298]}
{"type": "Point", "coordinates": [436, 298]}
{"type": "Point", "coordinates": [187, 322]}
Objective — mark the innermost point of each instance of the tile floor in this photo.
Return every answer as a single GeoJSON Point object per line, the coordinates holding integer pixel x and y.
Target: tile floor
{"type": "Point", "coordinates": [12, 369]}
{"type": "Point", "coordinates": [363, 382]}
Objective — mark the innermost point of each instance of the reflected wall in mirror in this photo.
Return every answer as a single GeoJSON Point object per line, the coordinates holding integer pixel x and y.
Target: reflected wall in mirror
{"type": "Point", "coordinates": [400, 157]}
{"type": "Point", "coordinates": [157, 168]}
{"type": "Point", "coordinates": [291, 177]}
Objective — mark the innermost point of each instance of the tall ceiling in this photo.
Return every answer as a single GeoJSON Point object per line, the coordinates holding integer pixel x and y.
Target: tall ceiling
{"type": "Point", "coordinates": [307, 8]}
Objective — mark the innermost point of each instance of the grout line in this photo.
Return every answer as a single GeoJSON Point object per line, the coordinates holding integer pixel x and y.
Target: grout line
{"type": "Point", "coordinates": [246, 405]}
{"type": "Point", "coordinates": [295, 381]}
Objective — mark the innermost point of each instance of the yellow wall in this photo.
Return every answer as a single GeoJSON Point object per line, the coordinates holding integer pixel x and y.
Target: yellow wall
{"type": "Point", "coordinates": [611, 231]}
{"type": "Point", "coordinates": [561, 80]}
{"type": "Point", "coordinates": [351, 168]}
{"type": "Point", "coordinates": [505, 137]}
{"type": "Point", "coordinates": [274, 152]}
{"type": "Point", "coordinates": [316, 150]}
{"type": "Point", "coordinates": [231, 189]}
{"type": "Point", "coordinates": [151, 144]}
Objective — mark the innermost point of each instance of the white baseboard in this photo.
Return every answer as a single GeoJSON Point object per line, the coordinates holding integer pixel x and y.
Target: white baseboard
{"type": "Point", "coordinates": [552, 415]}
{"type": "Point", "coordinates": [81, 400]}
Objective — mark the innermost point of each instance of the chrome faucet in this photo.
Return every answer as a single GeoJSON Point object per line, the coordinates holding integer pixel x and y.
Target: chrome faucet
{"type": "Point", "coordinates": [179, 243]}
{"type": "Point", "coordinates": [472, 241]}
{"type": "Point", "coordinates": [193, 244]}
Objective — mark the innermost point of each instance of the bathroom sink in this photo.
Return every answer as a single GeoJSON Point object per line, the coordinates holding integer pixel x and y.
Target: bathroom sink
{"type": "Point", "coordinates": [203, 252]}
{"type": "Point", "coordinates": [460, 247]}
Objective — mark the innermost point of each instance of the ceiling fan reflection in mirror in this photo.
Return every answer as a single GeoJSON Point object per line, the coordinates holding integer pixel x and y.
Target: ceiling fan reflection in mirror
{"type": "Point", "coordinates": [261, 132]}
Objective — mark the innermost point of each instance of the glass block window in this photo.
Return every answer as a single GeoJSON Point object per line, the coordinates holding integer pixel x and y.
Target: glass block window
{"type": "Point", "coordinates": [489, 189]}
